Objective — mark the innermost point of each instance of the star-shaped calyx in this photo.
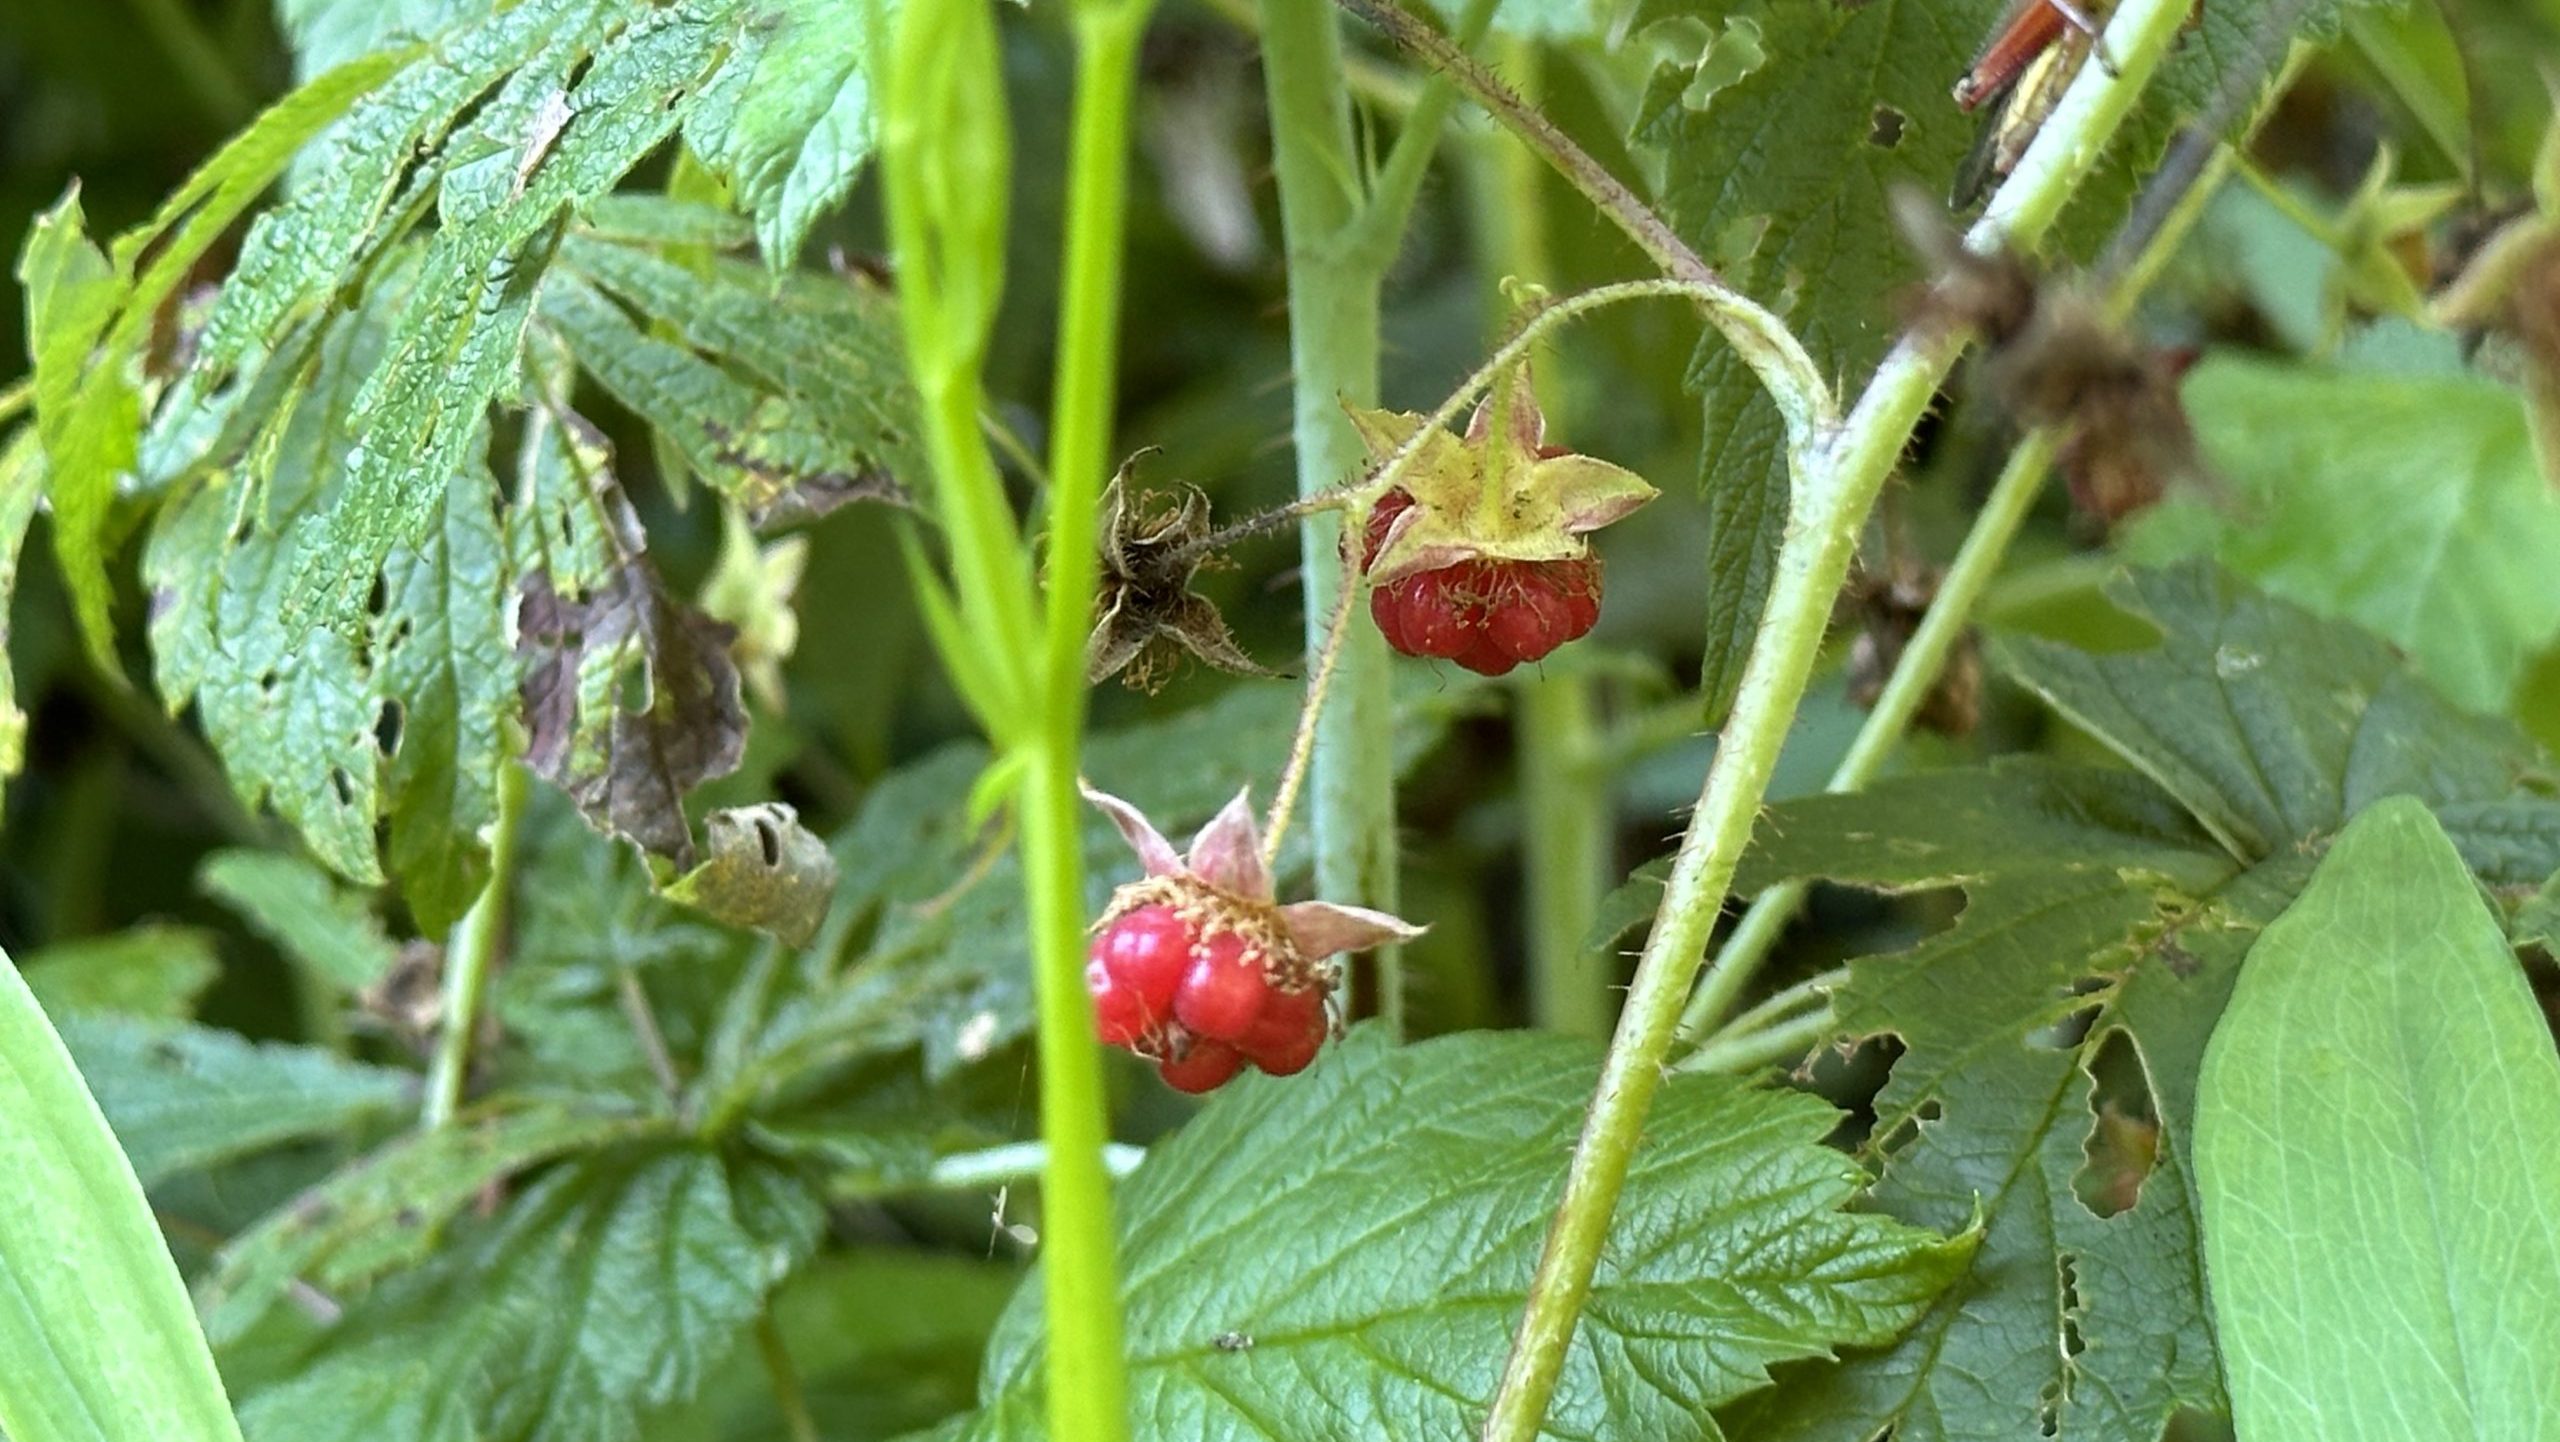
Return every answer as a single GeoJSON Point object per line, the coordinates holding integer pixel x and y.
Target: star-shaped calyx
{"type": "Point", "coordinates": [1498, 493]}
{"type": "Point", "coordinates": [1145, 607]}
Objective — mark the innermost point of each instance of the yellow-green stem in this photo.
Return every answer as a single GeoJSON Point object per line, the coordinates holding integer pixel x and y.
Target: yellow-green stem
{"type": "Point", "coordinates": [473, 953]}
{"type": "Point", "coordinates": [1836, 482]}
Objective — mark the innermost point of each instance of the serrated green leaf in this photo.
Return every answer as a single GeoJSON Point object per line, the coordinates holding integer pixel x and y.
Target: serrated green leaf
{"type": "Point", "coordinates": [2374, 1150]}
{"type": "Point", "coordinates": [324, 928]}
{"type": "Point", "coordinates": [761, 868]}
{"type": "Point", "coordinates": [185, 1097]}
{"type": "Point", "coordinates": [447, 677]}
{"type": "Point", "coordinates": [2052, 1036]}
{"type": "Point", "coordinates": [825, 349]}
{"type": "Point", "coordinates": [328, 33]}
{"type": "Point", "coordinates": [2268, 724]}
{"type": "Point", "coordinates": [21, 483]}
{"type": "Point", "coordinates": [291, 712]}
{"type": "Point", "coordinates": [643, 219]}
{"type": "Point", "coordinates": [799, 125]}
{"type": "Point", "coordinates": [1778, 165]}
{"type": "Point", "coordinates": [2085, 891]}
{"type": "Point", "coordinates": [387, 1211]}
{"type": "Point", "coordinates": [150, 971]}
{"type": "Point", "coordinates": [559, 131]}
{"type": "Point", "coordinates": [1384, 1311]}
{"type": "Point", "coordinates": [610, 1287]}
{"type": "Point", "coordinates": [769, 452]}
{"type": "Point", "coordinates": [93, 1318]}
{"type": "Point", "coordinates": [2411, 505]}
{"type": "Point", "coordinates": [87, 419]}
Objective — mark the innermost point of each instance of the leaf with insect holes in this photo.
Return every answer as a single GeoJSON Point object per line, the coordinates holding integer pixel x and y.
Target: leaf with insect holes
{"type": "Point", "coordinates": [2373, 1150]}
{"type": "Point", "coordinates": [2051, 1037]}
{"type": "Point", "coordinates": [2410, 504]}
{"type": "Point", "coordinates": [789, 119]}
{"type": "Point", "coordinates": [789, 394]}
{"type": "Point", "coordinates": [609, 1287]}
{"type": "Point", "coordinates": [185, 1097]}
{"type": "Point", "coordinates": [761, 868]}
{"type": "Point", "coordinates": [1385, 1310]}
{"type": "Point", "coordinates": [2090, 897]}
{"type": "Point", "coordinates": [630, 697]}
{"type": "Point", "coordinates": [604, 91]}
{"type": "Point", "coordinates": [1773, 151]}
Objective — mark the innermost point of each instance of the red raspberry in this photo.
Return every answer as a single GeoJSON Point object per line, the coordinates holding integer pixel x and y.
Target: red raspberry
{"type": "Point", "coordinates": [1202, 1066]}
{"type": "Point", "coordinates": [1486, 615]}
{"type": "Point", "coordinates": [1224, 989]}
{"type": "Point", "coordinates": [1289, 1033]}
{"type": "Point", "coordinates": [1132, 972]}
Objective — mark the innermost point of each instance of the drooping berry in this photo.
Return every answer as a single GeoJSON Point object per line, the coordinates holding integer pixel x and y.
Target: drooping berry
{"type": "Point", "coordinates": [1289, 1033]}
{"type": "Point", "coordinates": [1133, 970]}
{"type": "Point", "coordinates": [1487, 615]}
{"type": "Point", "coordinates": [1199, 966]}
{"type": "Point", "coordinates": [1203, 1065]}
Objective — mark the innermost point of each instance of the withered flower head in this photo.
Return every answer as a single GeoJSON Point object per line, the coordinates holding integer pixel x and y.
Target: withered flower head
{"type": "Point", "coordinates": [1146, 609]}
{"type": "Point", "coordinates": [1887, 607]}
{"type": "Point", "coordinates": [2051, 357]}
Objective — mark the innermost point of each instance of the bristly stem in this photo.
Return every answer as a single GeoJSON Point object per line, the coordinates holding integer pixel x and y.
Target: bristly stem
{"type": "Point", "coordinates": [2004, 511]}
{"type": "Point", "coordinates": [473, 953]}
{"type": "Point", "coordinates": [1836, 482]}
{"type": "Point", "coordinates": [1302, 745]}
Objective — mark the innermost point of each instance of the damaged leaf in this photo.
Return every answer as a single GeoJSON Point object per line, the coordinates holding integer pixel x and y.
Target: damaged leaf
{"type": "Point", "coordinates": [630, 698]}
{"type": "Point", "coordinates": [762, 869]}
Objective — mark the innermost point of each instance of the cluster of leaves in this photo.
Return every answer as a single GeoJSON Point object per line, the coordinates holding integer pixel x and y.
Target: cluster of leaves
{"type": "Point", "coordinates": [331, 570]}
{"type": "Point", "coordinates": [2048, 1042]}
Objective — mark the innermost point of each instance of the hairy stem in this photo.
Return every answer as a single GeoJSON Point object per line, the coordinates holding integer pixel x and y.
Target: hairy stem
{"type": "Point", "coordinates": [1333, 354]}
{"type": "Point", "coordinates": [1836, 485]}
{"type": "Point", "coordinates": [473, 951]}
{"type": "Point", "coordinates": [1565, 851]}
{"type": "Point", "coordinates": [2004, 511]}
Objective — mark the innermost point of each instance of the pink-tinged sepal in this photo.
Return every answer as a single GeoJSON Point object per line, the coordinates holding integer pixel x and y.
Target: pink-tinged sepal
{"type": "Point", "coordinates": [1227, 853]}
{"type": "Point", "coordinates": [1322, 928]}
{"type": "Point", "coordinates": [1155, 854]}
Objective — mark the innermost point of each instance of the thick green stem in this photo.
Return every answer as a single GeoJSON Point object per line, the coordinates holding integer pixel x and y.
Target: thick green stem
{"type": "Point", "coordinates": [473, 952]}
{"type": "Point", "coordinates": [1951, 611]}
{"type": "Point", "coordinates": [1835, 488]}
{"type": "Point", "coordinates": [1565, 849]}
{"type": "Point", "coordinates": [1333, 353]}
{"type": "Point", "coordinates": [945, 163]}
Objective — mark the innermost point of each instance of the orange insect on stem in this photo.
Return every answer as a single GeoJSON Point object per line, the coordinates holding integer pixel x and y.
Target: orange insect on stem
{"type": "Point", "coordinates": [2030, 27]}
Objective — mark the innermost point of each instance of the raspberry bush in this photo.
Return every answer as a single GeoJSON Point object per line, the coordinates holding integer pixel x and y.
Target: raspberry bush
{"type": "Point", "coordinates": [609, 607]}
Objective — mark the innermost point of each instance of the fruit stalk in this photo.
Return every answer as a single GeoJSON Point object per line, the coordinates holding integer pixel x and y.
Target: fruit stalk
{"type": "Point", "coordinates": [1837, 479]}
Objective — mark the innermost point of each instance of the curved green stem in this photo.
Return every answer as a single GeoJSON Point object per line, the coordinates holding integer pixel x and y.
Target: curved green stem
{"type": "Point", "coordinates": [1977, 562]}
{"type": "Point", "coordinates": [473, 953]}
{"type": "Point", "coordinates": [1834, 490]}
